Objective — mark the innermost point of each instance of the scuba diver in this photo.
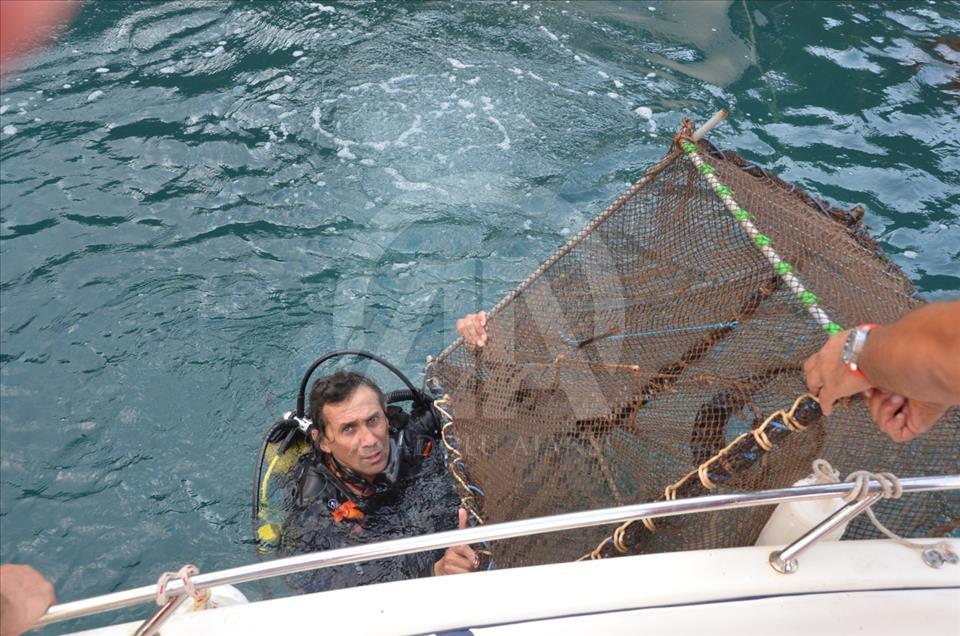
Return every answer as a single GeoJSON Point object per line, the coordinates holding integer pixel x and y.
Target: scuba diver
{"type": "Point", "coordinates": [359, 469]}
{"type": "Point", "coordinates": [363, 447]}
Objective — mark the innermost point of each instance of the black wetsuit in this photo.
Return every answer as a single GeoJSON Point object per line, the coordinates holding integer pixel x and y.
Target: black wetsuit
{"type": "Point", "coordinates": [414, 495]}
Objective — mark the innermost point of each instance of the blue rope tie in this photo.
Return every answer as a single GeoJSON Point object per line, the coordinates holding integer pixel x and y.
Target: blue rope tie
{"type": "Point", "coordinates": [654, 332]}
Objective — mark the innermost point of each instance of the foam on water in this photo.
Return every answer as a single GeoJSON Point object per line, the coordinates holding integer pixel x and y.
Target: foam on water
{"type": "Point", "coordinates": [850, 58]}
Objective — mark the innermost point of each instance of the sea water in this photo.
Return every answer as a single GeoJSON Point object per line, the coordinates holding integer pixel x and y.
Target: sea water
{"type": "Point", "coordinates": [199, 198]}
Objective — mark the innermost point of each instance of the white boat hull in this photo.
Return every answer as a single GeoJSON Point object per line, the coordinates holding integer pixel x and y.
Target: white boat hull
{"type": "Point", "coordinates": [871, 587]}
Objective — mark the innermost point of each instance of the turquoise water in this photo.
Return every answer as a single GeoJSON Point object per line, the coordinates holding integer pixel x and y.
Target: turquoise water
{"type": "Point", "coordinates": [200, 198]}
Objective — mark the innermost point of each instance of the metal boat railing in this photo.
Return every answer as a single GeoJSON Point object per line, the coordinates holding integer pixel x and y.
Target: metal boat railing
{"type": "Point", "coordinates": [491, 532]}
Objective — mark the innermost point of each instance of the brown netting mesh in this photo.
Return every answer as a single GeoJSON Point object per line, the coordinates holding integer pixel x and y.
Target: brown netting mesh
{"type": "Point", "coordinates": [654, 338]}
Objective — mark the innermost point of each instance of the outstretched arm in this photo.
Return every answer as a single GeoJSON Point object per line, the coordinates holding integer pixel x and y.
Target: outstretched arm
{"type": "Point", "coordinates": [917, 357]}
{"type": "Point", "coordinates": [911, 370]}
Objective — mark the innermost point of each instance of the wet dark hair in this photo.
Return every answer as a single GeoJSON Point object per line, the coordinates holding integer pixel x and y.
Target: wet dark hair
{"type": "Point", "coordinates": [333, 389]}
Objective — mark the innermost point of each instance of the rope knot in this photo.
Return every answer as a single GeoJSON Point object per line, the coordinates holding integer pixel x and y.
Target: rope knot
{"type": "Point", "coordinates": [890, 488]}
{"type": "Point", "coordinates": [889, 485]}
{"type": "Point", "coordinates": [183, 575]}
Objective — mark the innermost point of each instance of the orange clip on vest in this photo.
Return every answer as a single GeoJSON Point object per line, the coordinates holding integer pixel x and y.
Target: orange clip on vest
{"type": "Point", "coordinates": [347, 510]}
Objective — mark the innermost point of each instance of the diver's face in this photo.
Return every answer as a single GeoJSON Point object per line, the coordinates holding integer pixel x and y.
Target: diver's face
{"type": "Point", "coordinates": [356, 433]}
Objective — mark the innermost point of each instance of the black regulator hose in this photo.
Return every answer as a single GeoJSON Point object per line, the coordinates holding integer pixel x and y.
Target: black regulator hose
{"type": "Point", "coordinates": [417, 396]}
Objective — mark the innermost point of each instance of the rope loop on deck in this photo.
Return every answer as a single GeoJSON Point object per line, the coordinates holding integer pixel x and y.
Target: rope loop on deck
{"type": "Point", "coordinates": [183, 575]}
{"type": "Point", "coordinates": [890, 488]}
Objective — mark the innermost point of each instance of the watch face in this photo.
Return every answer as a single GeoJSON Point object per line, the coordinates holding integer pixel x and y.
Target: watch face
{"type": "Point", "coordinates": [848, 346]}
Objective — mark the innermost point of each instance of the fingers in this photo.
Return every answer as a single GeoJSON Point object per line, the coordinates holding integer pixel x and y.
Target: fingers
{"type": "Point", "coordinates": [889, 411]}
{"type": "Point", "coordinates": [901, 418]}
{"type": "Point", "coordinates": [457, 560]}
{"type": "Point", "coordinates": [827, 398]}
{"type": "Point", "coordinates": [811, 375]}
{"type": "Point", "coordinates": [472, 328]}
{"type": "Point", "coordinates": [461, 518]}
{"type": "Point", "coordinates": [814, 380]}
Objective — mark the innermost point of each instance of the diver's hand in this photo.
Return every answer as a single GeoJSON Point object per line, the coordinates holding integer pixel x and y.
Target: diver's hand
{"type": "Point", "coordinates": [24, 597]}
{"type": "Point", "coordinates": [459, 558]}
{"type": "Point", "coordinates": [902, 418]}
{"type": "Point", "coordinates": [473, 328]}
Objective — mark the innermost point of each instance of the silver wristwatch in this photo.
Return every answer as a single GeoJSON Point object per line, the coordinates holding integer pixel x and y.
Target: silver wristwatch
{"type": "Point", "coordinates": [854, 346]}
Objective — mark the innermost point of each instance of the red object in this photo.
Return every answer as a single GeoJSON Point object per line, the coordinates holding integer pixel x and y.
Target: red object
{"type": "Point", "coordinates": [347, 510]}
{"type": "Point", "coordinates": [26, 24]}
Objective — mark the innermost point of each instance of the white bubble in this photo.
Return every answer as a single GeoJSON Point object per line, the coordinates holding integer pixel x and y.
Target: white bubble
{"type": "Point", "coordinates": [297, 53]}
{"type": "Point", "coordinates": [67, 86]}
{"type": "Point", "coordinates": [95, 95]}
{"type": "Point", "coordinates": [10, 130]}
{"type": "Point", "coordinates": [909, 254]}
{"type": "Point", "coordinates": [4, 108]}
{"type": "Point", "coordinates": [167, 70]}
{"type": "Point", "coordinates": [644, 112]}
{"type": "Point", "coordinates": [549, 34]}
{"type": "Point", "coordinates": [103, 69]}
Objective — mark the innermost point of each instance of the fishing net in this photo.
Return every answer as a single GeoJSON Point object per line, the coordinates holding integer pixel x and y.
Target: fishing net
{"type": "Point", "coordinates": [658, 354]}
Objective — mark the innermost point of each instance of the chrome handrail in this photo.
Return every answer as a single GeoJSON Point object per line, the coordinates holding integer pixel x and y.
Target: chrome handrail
{"type": "Point", "coordinates": [480, 534]}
